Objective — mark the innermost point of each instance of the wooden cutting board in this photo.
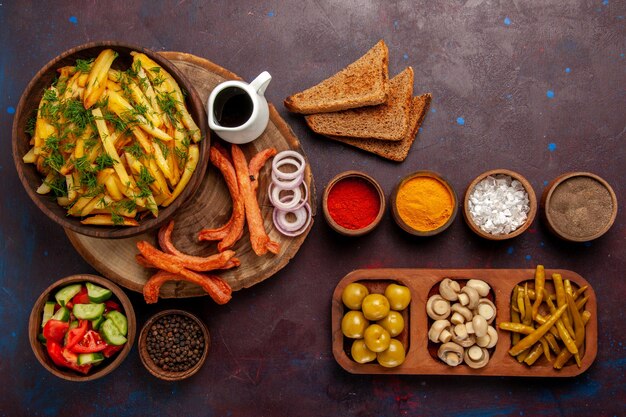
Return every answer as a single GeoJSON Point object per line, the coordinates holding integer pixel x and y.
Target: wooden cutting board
{"type": "Point", "coordinates": [210, 207]}
{"type": "Point", "coordinates": [421, 358]}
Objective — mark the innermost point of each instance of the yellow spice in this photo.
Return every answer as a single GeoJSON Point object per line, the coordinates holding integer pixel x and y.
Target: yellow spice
{"type": "Point", "coordinates": [424, 203]}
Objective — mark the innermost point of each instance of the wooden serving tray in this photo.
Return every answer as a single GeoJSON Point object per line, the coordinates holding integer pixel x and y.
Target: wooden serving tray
{"type": "Point", "coordinates": [419, 360]}
{"type": "Point", "coordinates": [210, 207]}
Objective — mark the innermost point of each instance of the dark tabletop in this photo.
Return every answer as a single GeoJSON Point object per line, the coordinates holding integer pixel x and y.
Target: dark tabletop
{"type": "Point", "coordinates": [536, 87]}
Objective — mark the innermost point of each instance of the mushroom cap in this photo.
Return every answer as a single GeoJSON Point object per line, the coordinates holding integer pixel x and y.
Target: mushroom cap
{"type": "Point", "coordinates": [493, 337]}
{"type": "Point", "coordinates": [487, 309]}
{"type": "Point", "coordinates": [482, 360]}
{"type": "Point", "coordinates": [436, 329]}
{"type": "Point", "coordinates": [479, 285]}
{"type": "Point", "coordinates": [437, 307]}
{"type": "Point", "coordinates": [464, 311]}
{"type": "Point", "coordinates": [480, 325]}
{"type": "Point", "coordinates": [473, 296]}
{"type": "Point", "coordinates": [449, 289]}
{"type": "Point", "coordinates": [469, 341]}
{"type": "Point", "coordinates": [451, 353]}
{"type": "Point", "coordinates": [460, 332]}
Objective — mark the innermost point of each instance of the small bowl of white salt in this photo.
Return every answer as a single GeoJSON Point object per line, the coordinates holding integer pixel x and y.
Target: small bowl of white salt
{"type": "Point", "coordinates": [499, 204]}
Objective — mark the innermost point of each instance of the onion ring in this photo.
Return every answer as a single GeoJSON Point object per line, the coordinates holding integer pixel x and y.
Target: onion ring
{"type": "Point", "coordinates": [298, 232]}
{"type": "Point", "coordinates": [288, 202]}
{"type": "Point", "coordinates": [287, 175]}
{"type": "Point", "coordinates": [288, 184]}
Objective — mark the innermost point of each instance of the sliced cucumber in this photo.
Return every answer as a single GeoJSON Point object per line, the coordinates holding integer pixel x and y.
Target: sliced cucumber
{"type": "Point", "coordinates": [95, 324]}
{"type": "Point", "coordinates": [97, 294]}
{"type": "Point", "coordinates": [111, 333]}
{"type": "Point", "coordinates": [90, 358]}
{"type": "Point", "coordinates": [48, 312]}
{"type": "Point", "coordinates": [62, 314]}
{"type": "Point", "coordinates": [89, 311]}
{"type": "Point", "coordinates": [65, 294]}
{"type": "Point", "coordinates": [119, 320]}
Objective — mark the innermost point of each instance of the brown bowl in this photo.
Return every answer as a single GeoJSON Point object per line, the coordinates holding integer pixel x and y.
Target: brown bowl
{"type": "Point", "coordinates": [34, 329]}
{"type": "Point", "coordinates": [27, 107]}
{"type": "Point", "coordinates": [149, 363]}
{"type": "Point", "coordinates": [343, 230]}
{"type": "Point", "coordinates": [553, 225]}
{"type": "Point", "coordinates": [532, 202]}
{"type": "Point", "coordinates": [409, 229]}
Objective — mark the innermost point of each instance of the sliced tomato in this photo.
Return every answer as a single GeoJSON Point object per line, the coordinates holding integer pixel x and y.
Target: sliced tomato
{"type": "Point", "coordinates": [76, 335]}
{"type": "Point", "coordinates": [111, 350]}
{"type": "Point", "coordinates": [82, 297]}
{"type": "Point", "coordinates": [54, 330]}
{"type": "Point", "coordinates": [63, 358]}
{"type": "Point", "coordinates": [55, 351]}
{"type": "Point", "coordinates": [71, 360]}
{"type": "Point", "coordinates": [90, 343]}
{"type": "Point", "coordinates": [111, 305]}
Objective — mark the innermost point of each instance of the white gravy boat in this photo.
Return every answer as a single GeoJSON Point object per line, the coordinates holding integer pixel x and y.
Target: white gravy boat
{"type": "Point", "coordinates": [238, 111]}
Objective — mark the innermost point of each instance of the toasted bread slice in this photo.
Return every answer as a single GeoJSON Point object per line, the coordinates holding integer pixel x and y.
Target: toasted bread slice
{"type": "Point", "coordinates": [362, 83]}
{"type": "Point", "coordinates": [388, 121]}
{"type": "Point", "coordinates": [394, 150]}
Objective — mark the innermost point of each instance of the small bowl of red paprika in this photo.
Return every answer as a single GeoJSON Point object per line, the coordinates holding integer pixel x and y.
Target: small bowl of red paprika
{"type": "Point", "coordinates": [82, 327]}
{"type": "Point", "coordinates": [353, 203]}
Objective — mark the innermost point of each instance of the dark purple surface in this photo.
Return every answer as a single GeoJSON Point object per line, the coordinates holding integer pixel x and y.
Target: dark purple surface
{"type": "Point", "coordinates": [536, 87]}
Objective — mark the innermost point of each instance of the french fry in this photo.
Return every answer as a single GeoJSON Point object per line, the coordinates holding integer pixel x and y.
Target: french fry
{"type": "Point", "coordinates": [44, 188]}
{"type": "Point", "coordinates": [190, 167]}
{"type": "Point", "coordinates": [125, 111]}
{"type": "Point", "coordinates": [107, 220]}
{"type": "Point", "coordinates": [112, 188]}
{"type": "Point", "coordinates": [86, 211]}
{"type": "Point", "coordinates": [159, 178]}
{"type": "Point", "coordinates": [77, 208]}
{"type": "Point", "coordinates": [30, 157]}
{"type": "Point", "coordinates": [108, 145]}
{"type": "Point", "coordinates": [96, 81]}
{"type": "Point", "coordinates": [168, 85]}
{"type": "Point", "coordinates": [71, 188]}
{"type": "Point", "coordinates": [162, 162]}
{"type": "Point", "coordinates": [144, 83]}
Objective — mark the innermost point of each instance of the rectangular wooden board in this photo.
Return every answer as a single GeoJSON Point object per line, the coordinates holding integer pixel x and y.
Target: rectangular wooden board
{"type": "Point", "coordinates": [419, 361]}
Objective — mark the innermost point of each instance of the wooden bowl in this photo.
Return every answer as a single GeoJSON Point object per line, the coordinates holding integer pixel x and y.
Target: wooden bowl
{"type": "Point", "coordinates": [343, 230]}
{"type": "Point", "coordinates": [409, 229]}
{"type": "Point", "coordinates": [27, 107]}
{"type": "Point", "coordinates": [532, 202]}
{"type": "Point", "coordinates": [149, 363]}
{"type": "Point", "coordinates": [34, 329]}
{"type": "Point", "coordinates": [546, 199]}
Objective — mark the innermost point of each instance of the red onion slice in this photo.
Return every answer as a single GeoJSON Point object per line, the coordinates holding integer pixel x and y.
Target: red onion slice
{"type": "Point", "coordinates": [298, 161]}
{"type": "Point", "coordinates": [282, 228]}
{"type": "Point", "coordinates": [288, 202]}
{"type": "Point", "coordinates": [287, 175]}
{"type": "Point", "coordinates": [287, 185]}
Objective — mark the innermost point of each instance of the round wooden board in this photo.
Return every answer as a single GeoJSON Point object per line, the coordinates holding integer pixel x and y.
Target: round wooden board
{"type": "Point", "coordinates": [209, 207]}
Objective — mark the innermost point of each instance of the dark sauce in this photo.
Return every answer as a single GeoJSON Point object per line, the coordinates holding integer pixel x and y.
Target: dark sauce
{"type": "Point", "coordinates": [232, 107]}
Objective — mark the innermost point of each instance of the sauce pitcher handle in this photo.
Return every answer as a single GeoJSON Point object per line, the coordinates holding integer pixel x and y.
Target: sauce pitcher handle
{"type": "Point", "coordinates": [260, 83]}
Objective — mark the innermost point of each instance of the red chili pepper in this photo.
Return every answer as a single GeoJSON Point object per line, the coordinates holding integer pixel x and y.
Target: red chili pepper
{"type": "Point", "coordinates": [111, 350]}
{"type": "Point", "coordinates": [82, 297]}
{"type": "Point", "coordinates": [54, 330]}
{"type": "Point", "coordinates": [76, 335]}
{"type": "Point", "coordinates": [91, 342]}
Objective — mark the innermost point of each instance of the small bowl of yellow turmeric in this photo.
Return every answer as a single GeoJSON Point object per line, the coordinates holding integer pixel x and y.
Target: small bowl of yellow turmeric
{"type": "Point", "coordinates": [424, 203]}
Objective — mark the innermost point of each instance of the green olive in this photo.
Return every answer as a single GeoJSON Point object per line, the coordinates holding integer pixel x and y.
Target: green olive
{"type": "Point", "coordinates": [353, 295]}
{"type": "Point", "coordinates": [393, 356]}
{"type": "Point", "coordinates": [360, 352]}
{"type": "Point", "coordinates": [376, 338]}
{"type": "Point", "coordinates": [399, 296]}
{"type": "Point", "coordinates": [375, 306]}
{"type": "Point", "coordinates": [393, 323]}
{"type": "Point", "coordinates": [353, 324]}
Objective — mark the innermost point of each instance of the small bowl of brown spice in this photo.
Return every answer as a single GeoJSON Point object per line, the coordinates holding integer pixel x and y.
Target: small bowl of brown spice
{"type": "Point", "coordinates": [173, 345]}
{"type": "Point", "coordinates": [579, 206]}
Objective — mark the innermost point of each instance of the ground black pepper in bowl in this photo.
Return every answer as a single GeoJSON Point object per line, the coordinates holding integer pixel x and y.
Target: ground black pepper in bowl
{"type": "Point", "coordinates": [173, 344]}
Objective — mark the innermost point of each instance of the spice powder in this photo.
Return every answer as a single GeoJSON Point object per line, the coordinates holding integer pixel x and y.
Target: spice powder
{"type": "Point", "coordinates": [580, 207]}
{"type": "Point", "coordinates": [424, 203]}
{"type": "Point", "coordinates": [353, 203]}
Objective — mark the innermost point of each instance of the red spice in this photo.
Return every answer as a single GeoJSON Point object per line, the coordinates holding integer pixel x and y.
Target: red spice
{"type": "Point", "coordinates": [353, 203]}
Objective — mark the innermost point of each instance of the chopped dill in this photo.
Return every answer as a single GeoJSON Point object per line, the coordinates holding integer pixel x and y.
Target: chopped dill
{"type": "Point", "coordinates": [84, 65]}
{"type": "Point", "coordinates": [135, 150]}
{"type": "Point", "coordinates": [104, 161]}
